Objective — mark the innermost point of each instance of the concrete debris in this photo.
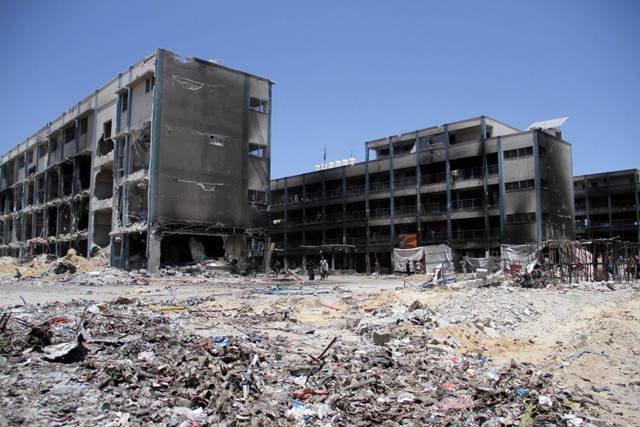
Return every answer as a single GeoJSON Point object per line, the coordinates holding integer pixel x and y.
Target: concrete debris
{"type": "Point", "coordinates": [185, 348]}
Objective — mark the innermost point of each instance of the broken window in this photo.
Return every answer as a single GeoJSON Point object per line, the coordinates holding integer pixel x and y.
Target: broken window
{"type": "Point", "coordinates": [103, 187]}
{"type": "Point", "coordinates": [257, 150]}
{"type": "Point", "coordinates": [139, 154]}
{"type": "Point", "coordinates": [257, 104]}
{"type": "Point", "coordinates": [105, 146]}
{"type": "Point", "coordinates": [53, 185]}
{"type": "Point", "coordinates": [52, 219]}
{"type": "Point", "coordinates": [30, 157]}
{"type": "Point", "coordinates": [84, 172]}
{"type": "Point", "coordinates": [66, 172]}
{"type": "Point", "coordinates": [138, 210]}
{"type": "Point", "coordinates": [101, 228]}
{"type": "Point", "coordinates": [40, 193]}
{"type": "Point", "coordinates": [217, 140]}
{"type": "Point", "coordinates": [258, 196]}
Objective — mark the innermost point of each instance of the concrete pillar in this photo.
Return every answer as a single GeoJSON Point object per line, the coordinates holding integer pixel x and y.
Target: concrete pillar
{"type": "Point", "coordinates": [501, 186]}
{"type": "Point", "coordinates": [154, 240]}
{"type": "Point", "coordinates": [267, 255]}
{"type": "Point", "coordinates": [242, 259]}
{"type": "Point", "coordinates": [392, 205]}
{"type": "Point", "coordinates": [333, 259]}
{"type": "Point", "coordinates": [418, 195]}
{"type": "Point", "coordinates": [368, 262]}
{"type": "Point", "coordinates": [448, 183]}
{"type": "Point", "coordinates": [536, 155]}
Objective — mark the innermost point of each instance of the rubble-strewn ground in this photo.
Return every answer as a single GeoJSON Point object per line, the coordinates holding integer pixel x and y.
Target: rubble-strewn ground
{"type": "Point", "coordinates": [201, 347]}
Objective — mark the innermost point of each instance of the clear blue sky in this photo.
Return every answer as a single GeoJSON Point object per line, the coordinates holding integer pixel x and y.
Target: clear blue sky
{"type": "Point", "coordinates": [351, 71]}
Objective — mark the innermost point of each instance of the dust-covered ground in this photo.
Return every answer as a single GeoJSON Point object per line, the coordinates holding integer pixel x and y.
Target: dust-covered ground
{"type": "Point", "coordinates": [202, 347]}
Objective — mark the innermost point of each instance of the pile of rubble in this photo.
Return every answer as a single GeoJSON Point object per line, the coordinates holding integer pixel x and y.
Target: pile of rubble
{"type": "Point", "coordinates": [126, 362]}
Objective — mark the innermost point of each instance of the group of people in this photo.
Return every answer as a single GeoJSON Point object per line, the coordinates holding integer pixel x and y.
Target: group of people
{"type": "Point", "coordinates": [417, 267]}
{"type": "Point", "coordinates": [324, 268]}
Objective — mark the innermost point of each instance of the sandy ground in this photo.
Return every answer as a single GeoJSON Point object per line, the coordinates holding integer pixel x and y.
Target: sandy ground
{"type": "Point", "coordinates": [544, 327]}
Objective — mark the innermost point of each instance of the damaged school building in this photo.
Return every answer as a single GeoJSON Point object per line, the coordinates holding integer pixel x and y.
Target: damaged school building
{"type": "Point", "coordinates": [473, 185]}
{"type": "Point", "coordinates": [166, 163]}
{"type": "Point", "coordinates": [169, 163]}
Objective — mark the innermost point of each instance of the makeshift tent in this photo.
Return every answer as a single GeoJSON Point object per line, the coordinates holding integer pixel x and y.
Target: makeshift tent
{"type": "Point", "coordinates": [402, 256]}
{"type": "Point", "coordinates": [439, 257]}
{"type": "Point", "coordinates": [516, 257]}
{"type": "Point", "coordinates": [432, 258]}
{"type": "Point", "coordinates": [472, 264]}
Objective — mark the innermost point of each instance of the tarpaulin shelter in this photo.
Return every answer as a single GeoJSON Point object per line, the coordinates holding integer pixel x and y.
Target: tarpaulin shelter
{"type": "Point", "coordinates": [472, 264]}
{"type": "Point", "coordinates": [402, 256]}
{"type": "Point", "coordinates": [516, 257]}
{"type": "Point", "coordinates": [432, 258]}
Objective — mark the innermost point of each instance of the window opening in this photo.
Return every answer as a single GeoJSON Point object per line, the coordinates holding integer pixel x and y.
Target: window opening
{"type": "Point", "coordinates": [257, 150]}
{"type": "Point", "coordinates": [521, 218]}
{"type": "Point", "coordinates": [149, 84]}
{"type": "Point", "coordinates": [70, 134]}
{"type": "Point", "coordinates": [257, 104]}
{"type": "Point", "coordinates": [106, 129]}
{"type": "Point", "coordinates": [84, 124]}
{"type": "Point", "coordinates": [257, 196]}
{"type": "Point", "coordinates": [520, 185]}
{"type": "Point", "coordinates": [125, 101]}
{"type": "Point", "coordinates": [518, 152]}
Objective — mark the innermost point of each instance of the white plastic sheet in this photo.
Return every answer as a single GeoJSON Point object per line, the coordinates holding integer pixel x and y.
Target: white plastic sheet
{"type": "Point", "coordinates": [472, 264]}
{"type": "Point", "coordinates": [523, 256]}
{"type": "Point", "coordinates": [438, 256]}
{"type": "Point", "coordinates": [402, 256]}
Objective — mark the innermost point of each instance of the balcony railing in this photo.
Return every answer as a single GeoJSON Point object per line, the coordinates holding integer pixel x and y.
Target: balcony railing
{"type": "Point", "coordinates": [435, 207]}
{"type": "Point", "coordinates": [466, 204]}
{"type": "Point", "coordinates": [435, 178]}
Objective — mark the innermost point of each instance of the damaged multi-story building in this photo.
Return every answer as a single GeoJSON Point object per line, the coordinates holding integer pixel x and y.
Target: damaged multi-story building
{"type": "Point", "coordinates": [166, 163]}
{"type": "Point", "coordinates": [473, 185]}
{"type": "Point", "coordinates": [608, 205]}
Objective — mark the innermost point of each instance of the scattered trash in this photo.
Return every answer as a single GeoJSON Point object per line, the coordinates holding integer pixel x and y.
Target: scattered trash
{"type": "Point", "coordinates": [411, 356]}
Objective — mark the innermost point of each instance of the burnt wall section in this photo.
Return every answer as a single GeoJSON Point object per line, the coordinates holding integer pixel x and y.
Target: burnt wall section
{"type": "Point", "coordinates": [209, 161]}
{"type": "Point", "coordinates": [201, 159]}
{"type": "Point", "coordinates": [135, 162]}
{"type": "Point", "coordinates": [558, 205]}
{"type": "Point", "coordinates": [520, 203]}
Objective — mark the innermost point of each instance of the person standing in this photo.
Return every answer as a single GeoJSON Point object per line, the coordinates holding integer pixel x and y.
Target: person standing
{"type": "Point", "coordinates": [310, 270]}
{"type": "Point", "coordinates": [324, 268]}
